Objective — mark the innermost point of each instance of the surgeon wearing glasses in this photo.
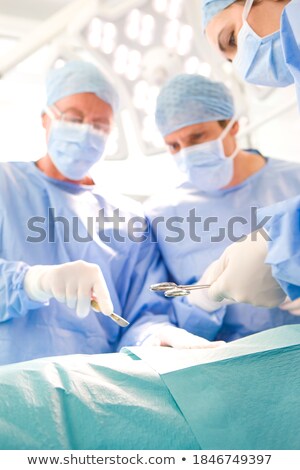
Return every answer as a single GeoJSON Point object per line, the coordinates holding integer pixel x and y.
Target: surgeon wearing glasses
{"type": "Point", "coordinates": [53, 263]}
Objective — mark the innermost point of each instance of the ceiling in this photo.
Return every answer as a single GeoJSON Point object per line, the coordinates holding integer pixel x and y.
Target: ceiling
{"type": "Point", "coordinates": [31, 9]}
{"type": "Point", "coordinates": [139, 47]}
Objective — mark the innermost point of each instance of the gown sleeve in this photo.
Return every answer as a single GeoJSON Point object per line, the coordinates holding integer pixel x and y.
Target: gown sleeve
{"type": "Point", "coordinates": [290, 38]}
{"type": "Point", "coordinates": [147, 310]}
{"type": "Point", "coordinates": [14, 301]}
{"type": "Point", "coordinates": [283, 229]}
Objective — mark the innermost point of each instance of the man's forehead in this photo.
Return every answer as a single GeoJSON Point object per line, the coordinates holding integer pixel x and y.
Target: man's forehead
{"type": "Point", "coordinates": [82, 99]}
{"type": "Point", "coordinates": [85, 102]}
{"type": "Point", "coordinates": [189, 130]}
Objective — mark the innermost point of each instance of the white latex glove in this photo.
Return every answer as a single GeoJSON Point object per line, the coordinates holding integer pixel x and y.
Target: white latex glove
{"type": "Point", "coordinates": [241, 274]}
{"type": "Point", "coordinates": [179, 338]}
{"type": "Point", "coordinates": [292, 306]}
{"type": "Point", "coordinates": [200, 297]}
{"type": "Point", "coordinates": [71, 283]}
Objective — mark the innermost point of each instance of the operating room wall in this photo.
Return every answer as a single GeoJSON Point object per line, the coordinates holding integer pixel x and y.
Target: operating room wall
{"type": "Point", "coordinates": [277, 136]}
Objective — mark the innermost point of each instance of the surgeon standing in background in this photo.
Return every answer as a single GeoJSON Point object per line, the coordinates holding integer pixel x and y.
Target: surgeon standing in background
{"type": "Point", "coordinates": [223, 188]}
{"type": "Point", "coordinates": [55, 253]}
{"type": "Point", "coordinates": [262, 39]}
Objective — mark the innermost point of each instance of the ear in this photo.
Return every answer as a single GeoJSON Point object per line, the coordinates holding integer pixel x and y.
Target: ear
{"type": "Point", "coordinates": [45, 120]}
{"type": "Point", "coordinates": [235, 129]}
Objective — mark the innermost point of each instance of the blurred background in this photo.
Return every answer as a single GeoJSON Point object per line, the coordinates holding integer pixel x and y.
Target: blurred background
{"type": "Point", "coordinates": [138, 45]}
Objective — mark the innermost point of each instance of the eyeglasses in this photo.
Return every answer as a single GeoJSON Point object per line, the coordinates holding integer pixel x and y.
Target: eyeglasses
{"type": "Point", "coordinates": [76, 118]}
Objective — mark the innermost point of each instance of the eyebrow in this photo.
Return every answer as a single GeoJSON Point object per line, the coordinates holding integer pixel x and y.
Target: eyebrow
{"type": "Point", "coordinates": [188, 138]}
{"type": "Point", "coordinates": [97, 119]}
{"type": "Point", "coordinates": [101, 119]}
{"type": "Point", "coordinates": [73, 110]}
{"type": "Point", "coordinates": [196, 134]}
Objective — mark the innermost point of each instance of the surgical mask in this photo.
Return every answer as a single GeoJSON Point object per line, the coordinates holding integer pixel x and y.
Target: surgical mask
{"type": "Point", "coordinates": [205, 165]}
{"type": "Point", "coordinates": [75, 148]}
{"type": "Point", "coordinates": [261, 61]}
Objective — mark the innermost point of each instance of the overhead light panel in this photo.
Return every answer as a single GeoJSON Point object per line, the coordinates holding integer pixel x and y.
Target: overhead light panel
{"type": "Point", "coordinates": [174, 9]}
{"type": "Point", "coordinates": [160, 6]}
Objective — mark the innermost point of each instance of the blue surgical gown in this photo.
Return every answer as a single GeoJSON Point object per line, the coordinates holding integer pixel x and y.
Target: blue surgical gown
{"type": "Point", "coordinates": [225, 216]}
{"type": "Point", "coordinates": [284, 227]}
{"type": "Point", "coordinates": [284, 246]}
{"type": "Point", "coordinates": [290, 39]}
{"type": "Point", "coordinates": [31, 234]}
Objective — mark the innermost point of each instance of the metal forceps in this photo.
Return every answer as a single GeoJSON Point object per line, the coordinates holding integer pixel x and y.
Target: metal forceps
{"type": "Point", "coordinates": [171, 289]}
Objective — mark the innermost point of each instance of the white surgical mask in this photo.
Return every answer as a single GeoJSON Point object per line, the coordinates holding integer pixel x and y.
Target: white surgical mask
{"type": "Point", "coordinates": [261, 61]}
{"type": "Point", "coordinates": [206, 165]}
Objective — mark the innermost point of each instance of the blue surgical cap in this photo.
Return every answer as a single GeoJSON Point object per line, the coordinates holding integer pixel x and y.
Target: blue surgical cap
{"type": "Point", "coordinates": [211, 8]}
{"type": "Point", "coordinates": [79, 77]}
{"type": "Point", "coordinates": [192, 99]}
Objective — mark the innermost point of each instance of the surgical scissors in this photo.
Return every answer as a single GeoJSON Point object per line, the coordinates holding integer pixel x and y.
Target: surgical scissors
{"type": "Point", "coordinates": [171, 289]}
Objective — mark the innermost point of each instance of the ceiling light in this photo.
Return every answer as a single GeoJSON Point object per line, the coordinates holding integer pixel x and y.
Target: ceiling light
{"type": "Point", "coordinates": [121, 56]}
{"type": "Point", "coordinates": [132, 28]}
{"type": "Point", "coordinates": [205, 69]}
{"type": "Point", "coordinates": [160, 5]}
{"type": "Point", "coordinates": [174, 9]}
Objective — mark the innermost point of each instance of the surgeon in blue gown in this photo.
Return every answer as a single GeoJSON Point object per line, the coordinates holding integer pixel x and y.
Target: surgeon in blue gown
{"type": "Point", "coordinates": [262, 39]}
{"type": "Point", "coordinates": [56, 249]}
{"type": "Point", "coordinates": [222, 188]}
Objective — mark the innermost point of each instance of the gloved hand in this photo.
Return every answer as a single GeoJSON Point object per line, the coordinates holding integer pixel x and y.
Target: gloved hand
{"type": "Point", "coordinates": [241, 274]}
{"type": "Point", "coordinates": [200, 297]}
{"type": "Point", "coordinates": [169, 335]}
{"type": "Point", "coordinates": [292, 306]}
{"type": "Point", "coordinates": [71, 283]}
